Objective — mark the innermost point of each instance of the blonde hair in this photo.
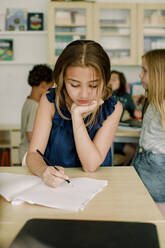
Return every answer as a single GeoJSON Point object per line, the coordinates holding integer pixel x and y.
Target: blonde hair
{"type": "Point", "coordinates": [155, 60]}
{"type": "Point", "coordinates": [81, 53]}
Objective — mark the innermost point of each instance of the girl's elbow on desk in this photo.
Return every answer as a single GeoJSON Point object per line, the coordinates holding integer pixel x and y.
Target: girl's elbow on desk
{"type": "Point", "coordinates": [91, 166]}
{"type": "Point", "coordinates": [89, 169]}
{"type": "Point", "coordinates": [93, 160]}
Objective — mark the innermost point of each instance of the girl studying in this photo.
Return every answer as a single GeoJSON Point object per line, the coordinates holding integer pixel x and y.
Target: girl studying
{"type": "Point", "coordinates": [76, 121]}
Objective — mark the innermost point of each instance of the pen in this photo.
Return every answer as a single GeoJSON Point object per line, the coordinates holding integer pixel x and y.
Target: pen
{"type": "Point", "coordinates": [49, 163]}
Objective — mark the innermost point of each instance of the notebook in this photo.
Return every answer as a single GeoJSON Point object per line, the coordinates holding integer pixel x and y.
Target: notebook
{"type": "Point", "coordinates": [26, 188]}
{"type": "Point", "coordinates": [49, 233]}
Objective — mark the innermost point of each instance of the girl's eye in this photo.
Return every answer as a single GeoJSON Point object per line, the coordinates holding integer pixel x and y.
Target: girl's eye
{"type": "Point", "coordinates": [74, 85]}
{"type": "Point", "coordinates": [93, 86]}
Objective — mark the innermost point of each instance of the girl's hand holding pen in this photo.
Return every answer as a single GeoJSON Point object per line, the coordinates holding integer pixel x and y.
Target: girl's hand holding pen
{"type": "Point", "coordinates": [53, 177]}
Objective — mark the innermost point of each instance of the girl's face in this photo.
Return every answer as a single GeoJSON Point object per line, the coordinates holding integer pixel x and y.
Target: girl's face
{"type": "Point", "coordinates": [83, 84]}
{"type": "Point", "coordinates": [115, 81]}
{"type": "Point", "coordinates": [144, 74]}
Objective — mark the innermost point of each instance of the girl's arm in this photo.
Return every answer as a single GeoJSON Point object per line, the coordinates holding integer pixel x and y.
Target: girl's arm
{"type": "Point", "coordinates": [92, 153]}
{"type": "Point", "coordinates": [41, 131]}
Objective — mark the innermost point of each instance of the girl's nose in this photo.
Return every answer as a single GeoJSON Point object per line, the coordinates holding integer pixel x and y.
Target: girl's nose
{"type": "Point", "coordinates": [84, 93]}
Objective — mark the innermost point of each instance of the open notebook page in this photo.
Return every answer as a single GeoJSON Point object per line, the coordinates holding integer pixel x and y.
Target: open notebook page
{"type": "Point", "coordinates": [12, 185]}
{"type": "Point", "coordinates": [71, 197]}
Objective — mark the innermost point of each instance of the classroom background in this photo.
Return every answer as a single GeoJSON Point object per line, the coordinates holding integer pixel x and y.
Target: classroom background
{"type": "Point", "coordinates": [37, 47]}
{"type": "Point", "coordinates": [32, 48]}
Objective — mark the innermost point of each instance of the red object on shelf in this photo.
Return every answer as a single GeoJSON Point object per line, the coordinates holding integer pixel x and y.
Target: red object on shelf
{"type": "Point", "coordinates": [5, 161]}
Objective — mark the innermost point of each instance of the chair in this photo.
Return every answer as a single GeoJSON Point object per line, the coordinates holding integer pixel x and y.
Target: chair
{"type": "Point", "coordinates": [118, 159]}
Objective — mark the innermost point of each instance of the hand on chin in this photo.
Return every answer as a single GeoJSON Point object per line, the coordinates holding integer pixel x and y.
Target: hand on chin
{"type": "Point", "coordinates": [85, 110]}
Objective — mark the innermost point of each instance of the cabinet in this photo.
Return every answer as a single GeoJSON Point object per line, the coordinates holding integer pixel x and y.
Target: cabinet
{"type": "Point", "coordinates": [9, 141]}
{"type": "Point", "coordinates": [151, 28]}
{"type": "Point", "coordinates": [125, 30]}
{"type": "Point", "coordinates": [112, 25]}
{"type": "Point", "coordinates": [115, 30]}
{"type": "Point", "coordinates": [68, 21]}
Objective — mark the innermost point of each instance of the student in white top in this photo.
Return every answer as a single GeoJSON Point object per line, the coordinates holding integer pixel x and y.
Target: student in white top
{"type": "Point", "coordinates": [149, 160]}
{"type": "Point", "coordinates": [40, 78]}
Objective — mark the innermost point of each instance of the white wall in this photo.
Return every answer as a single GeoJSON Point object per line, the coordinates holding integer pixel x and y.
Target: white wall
{"type": "Point", "coordinates": [13, 78]}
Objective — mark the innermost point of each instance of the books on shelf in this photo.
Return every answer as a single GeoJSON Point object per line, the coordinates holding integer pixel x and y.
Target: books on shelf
{"type": "Point", "coordinates": [6, 49]}
{"type": "Point", "coordinates": [35, 21]}
{"type": "Point", "coordinates": [21, 20]}
{"type": "Point", "coordinates": [63, 17]}
{"type": "Point", "coordinates": [16, 19]}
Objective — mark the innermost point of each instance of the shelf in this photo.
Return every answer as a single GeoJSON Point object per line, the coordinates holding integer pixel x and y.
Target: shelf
{"type": "Point", "coordinates": [21, 62]}
{"type": "Point", "coordinates": [70, 25]}
{"type": "Point", "coordinates": [10, 137]}
{"type": "Point", "coordinates": [7, 126]}
{"type": "Point", "coordinates": [69, 33]}
{"type": "Point", "coordinates": [4, 144]}
{"type": "Point", "coordinates": [116, 25]}
{"type": "Point", "coordinates": [24, 33]}
{"type": "Point", "coordinates": [154, 35]}
{"type": "Point", "coordinates": [114, 34]}
{"type": "Point", "coordinates": [154, 26]}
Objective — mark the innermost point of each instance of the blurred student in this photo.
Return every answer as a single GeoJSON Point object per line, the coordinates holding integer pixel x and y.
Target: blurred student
{"type": "Point", "coordinates": [40, 80]}
{"type": "Point", "coordinates": [149, 160]}
{"type": "Point", "coordinates": [118, 84]}
{"type": "Point", "coordinates": [76, 122]}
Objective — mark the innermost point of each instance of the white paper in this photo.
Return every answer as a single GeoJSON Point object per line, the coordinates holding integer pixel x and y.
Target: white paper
{"type": "Point", "coordinates": [31, 189]}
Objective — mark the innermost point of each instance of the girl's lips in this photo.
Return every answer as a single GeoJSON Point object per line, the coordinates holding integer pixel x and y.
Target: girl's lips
{"type": "Point", "coordinates": [83, 101]}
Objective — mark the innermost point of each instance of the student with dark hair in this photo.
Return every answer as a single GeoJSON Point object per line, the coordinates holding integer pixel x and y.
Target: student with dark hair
{"type": "Point", "coordinates": [40, 79]}
{"type": "Point", "coordinates": [118, 84]}
{"type": "Point", "coordinates": [76, 121]}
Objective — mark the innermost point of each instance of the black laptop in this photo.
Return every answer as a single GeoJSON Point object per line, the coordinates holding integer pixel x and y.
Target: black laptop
{"type": "Point", "coordinates": [49, 233]}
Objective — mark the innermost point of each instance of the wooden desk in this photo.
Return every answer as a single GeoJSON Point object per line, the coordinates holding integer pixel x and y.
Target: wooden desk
{"type": "Point", "coordinates": [127, 135]}
{"type": "Point", "coordinates": [124, 199]}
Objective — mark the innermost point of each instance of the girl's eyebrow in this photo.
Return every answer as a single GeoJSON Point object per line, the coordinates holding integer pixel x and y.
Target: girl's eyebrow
{"type": "Point", "coordinates": [77, 81]}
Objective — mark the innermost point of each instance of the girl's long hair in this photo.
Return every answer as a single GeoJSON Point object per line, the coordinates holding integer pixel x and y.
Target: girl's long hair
{"type": "Point", "coordinates": [155, 60]}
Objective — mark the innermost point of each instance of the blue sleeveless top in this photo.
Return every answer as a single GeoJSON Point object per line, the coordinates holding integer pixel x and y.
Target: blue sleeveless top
{"type": "Point", "coordinates": [61, 148]}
